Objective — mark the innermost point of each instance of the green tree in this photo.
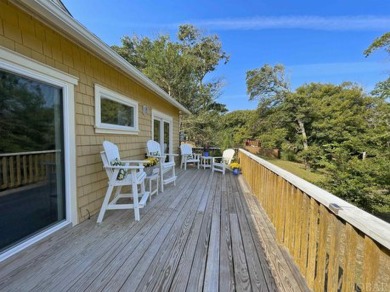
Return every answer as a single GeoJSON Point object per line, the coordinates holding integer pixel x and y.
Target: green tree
{"type": "Point", "coordinates": [267, 84]}
{"type": "Point", "coordinates": [233, 128]}
{"type": "Point", "coordinates": [25, 120]}
{"type": "Point", "coordinates": [180, 67]}
{"type": "Point", "coordinates": [380, 42]}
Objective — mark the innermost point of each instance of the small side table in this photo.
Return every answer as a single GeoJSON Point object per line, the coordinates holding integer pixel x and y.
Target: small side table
{"type": "Point", "coordinates": [206, 161]}
{"type": "Point", "coordinates": [154, 176]}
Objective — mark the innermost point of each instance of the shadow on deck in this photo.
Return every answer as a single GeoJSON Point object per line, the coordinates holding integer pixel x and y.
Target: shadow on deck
{"type": "Point", "coordinates": [207, 233]}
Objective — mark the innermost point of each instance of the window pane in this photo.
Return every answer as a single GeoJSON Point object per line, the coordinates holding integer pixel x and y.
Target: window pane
{"type": "Point", "coordinates": [32, 195]}
{"type": "Point", "coordinates": [156, 130]}
{"type": "Point", "coordinates": [166, 137]}
{"type": "Point", "coordinates": [116, 113]}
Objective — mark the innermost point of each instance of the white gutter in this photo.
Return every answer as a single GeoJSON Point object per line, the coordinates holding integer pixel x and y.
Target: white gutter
{"type": "Point", "coordinates": [77, 32]}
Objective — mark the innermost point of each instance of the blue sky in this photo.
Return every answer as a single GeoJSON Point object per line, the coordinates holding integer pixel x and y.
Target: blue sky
{"type": "Point", "coordinates": [317, 41]}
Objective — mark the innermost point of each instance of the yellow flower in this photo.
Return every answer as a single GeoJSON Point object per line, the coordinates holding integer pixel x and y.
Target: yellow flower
{"type": "Point", "coordinates": [235, 165]}
{"type": "Point", "coordinates": [151, 161]}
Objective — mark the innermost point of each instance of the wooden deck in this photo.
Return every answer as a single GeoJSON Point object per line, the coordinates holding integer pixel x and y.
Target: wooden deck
{"type": "Point", "coordinates": [207, 233]}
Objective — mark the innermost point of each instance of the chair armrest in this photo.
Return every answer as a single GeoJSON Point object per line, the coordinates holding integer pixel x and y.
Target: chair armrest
{"type": "Point", "coordinates": [124, 166]}
{"type": "Point", "coordinates": [217, 157]}
{"type": "Point", "coordinates": [134, 161]}
{"type": "Point", "coordinates": [172, 154]}
{"type": "Point", "coordinates": [156, 156]}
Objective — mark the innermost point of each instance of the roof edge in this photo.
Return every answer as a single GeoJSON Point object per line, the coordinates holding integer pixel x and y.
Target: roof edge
{"type": "Point", "coordinates": [74, 29]}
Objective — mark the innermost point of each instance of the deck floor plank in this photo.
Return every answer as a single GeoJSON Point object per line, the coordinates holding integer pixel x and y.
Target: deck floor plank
{"type": "Point", "coordinates": [178, 279]}
{"type": "Point", "coordinates": [205, 234]}
{"type": "Point", "coordinates": [284, 271]}
{"type": "Point", "coordinates": [226, 269]}
{"type": "Point", "coordinates": [211, 282]}
{"type": "Point", "coordinates": [241, 272]}
{"type": "Point", "coordinates": [152, 263]}
{"type": "Point", "coordinates": [120, 244]}
{"type": "Point", "coordinates": [251, 246]}
{"type": "Point", "coordinates": [135, 267]}
{"type": "Point", "coordinates": [162, 281]}
{"type": "Point", "coordinates": [198, 267]}
{"type": "Point", "coordinates": [134, 248]}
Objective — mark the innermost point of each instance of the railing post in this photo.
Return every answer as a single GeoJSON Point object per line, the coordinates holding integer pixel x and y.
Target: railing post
{"type": "Point", "coordinates": [11, 172]}
{"type": "Point", "coordinates": [322, 250]}
{"type": "Point", "coordinates": [4, 165]}
{"type": "Point", "coordinates": [312, 248]}
{"type": "Point", "coordinates": [334, 254]}
{"type": "Point", "coordinates": [370, 276]}
{"type": "Point", "coordinates": [25, 177]}
{"type": "Point", "coordinates": [18, 171]}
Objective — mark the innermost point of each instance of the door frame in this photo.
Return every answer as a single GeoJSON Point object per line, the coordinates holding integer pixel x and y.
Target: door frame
{"type": "Point", "coordinates": [19, 64]}
{"type": "Point", "coordinates": [156, 115]}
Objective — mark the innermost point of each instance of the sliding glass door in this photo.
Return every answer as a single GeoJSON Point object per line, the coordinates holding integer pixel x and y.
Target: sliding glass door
{"type": "Point", "coordinates": [32, 183]}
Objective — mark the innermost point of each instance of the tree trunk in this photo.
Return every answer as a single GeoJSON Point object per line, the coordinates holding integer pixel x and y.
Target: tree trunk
{"type": "Point", "coordinates": [303, 132]}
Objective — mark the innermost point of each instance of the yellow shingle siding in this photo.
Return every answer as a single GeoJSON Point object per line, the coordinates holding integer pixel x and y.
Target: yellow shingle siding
{"type": "Point", "coordinates": [28, 36]}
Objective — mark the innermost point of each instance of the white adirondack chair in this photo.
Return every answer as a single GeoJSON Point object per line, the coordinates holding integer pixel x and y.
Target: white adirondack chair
{"type": "Point", "coordinates": [221, 163]}
{"type": "Point", "coordinates": [187, 156]}
{"type": "Point", "coordinates": [154, 150]}
{"type": "Point", "coordinates": [122, 173]}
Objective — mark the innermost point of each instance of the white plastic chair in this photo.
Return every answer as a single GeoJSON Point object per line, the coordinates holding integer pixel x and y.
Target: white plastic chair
{"type": "Point", "coordinates": [154, 150]}
{"type": "Point", "coordinates": [122, 173]}
{"type": "Point", "coordinates": [187, 156]}
{"type": "Point", "coordinates": [221, 163]}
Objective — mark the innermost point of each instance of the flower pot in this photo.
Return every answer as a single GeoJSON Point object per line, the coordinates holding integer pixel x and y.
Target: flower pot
{"type": "Point", "coordinates": [236, 171]}
{"type": "Point", "coordinates": [149, 170]}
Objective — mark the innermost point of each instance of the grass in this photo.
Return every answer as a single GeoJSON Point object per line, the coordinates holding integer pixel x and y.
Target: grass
{"type": "Point", "coordinates": [298, 169]}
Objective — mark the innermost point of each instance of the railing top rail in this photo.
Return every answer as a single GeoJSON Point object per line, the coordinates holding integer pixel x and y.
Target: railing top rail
{"type": "Point", "coordinates": [374, 227]}
{"type": "Point", "coordinates": [28, 153]}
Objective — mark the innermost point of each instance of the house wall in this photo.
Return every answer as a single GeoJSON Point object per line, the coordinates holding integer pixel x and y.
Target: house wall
{"type": "Point", "coordinates": [30, 37]}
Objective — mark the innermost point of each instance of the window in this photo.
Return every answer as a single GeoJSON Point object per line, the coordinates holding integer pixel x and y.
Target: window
{"type": "Point", "coordinates": [115, 113]}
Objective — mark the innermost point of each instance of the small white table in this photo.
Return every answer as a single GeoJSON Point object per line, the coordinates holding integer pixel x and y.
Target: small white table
{"type": "Point", "coordinates": [154, 176]}
{"type": "Point", "coordinates": [206, 161]}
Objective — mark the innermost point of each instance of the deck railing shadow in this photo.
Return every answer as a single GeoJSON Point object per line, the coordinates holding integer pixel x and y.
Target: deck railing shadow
{"type": "Point", "coordinates": [336, 246]}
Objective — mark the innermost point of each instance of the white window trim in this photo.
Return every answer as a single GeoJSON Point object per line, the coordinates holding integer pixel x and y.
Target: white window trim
{"type": "Point", "coordinates": [100, 127]}
{"type": "Point", "coordinates": [19, 64]}
{"type": "Point", "coordinates": [164, 118]}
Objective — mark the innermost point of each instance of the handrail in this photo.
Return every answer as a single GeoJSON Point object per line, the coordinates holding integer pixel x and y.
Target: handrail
{"type": "Point", "coordinates": [333, 243]}
{"type": "Point", "coordinates": [28, 153]}
{"type": "Point", "coordinates": [376, 228]}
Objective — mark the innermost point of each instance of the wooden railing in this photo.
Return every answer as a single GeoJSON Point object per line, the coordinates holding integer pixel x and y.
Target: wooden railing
{"type": "Point", "coordinates": [23, 168]}
{"type": "Point", "coordinates": [336, 246]}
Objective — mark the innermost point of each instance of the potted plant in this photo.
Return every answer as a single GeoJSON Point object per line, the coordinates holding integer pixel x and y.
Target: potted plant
{"type": "Point", "coordinates": [150, 164]}
{"type": "Point", "coordinates": [236, 167]}
{"type": "Point", "coordinates": [206, 150]}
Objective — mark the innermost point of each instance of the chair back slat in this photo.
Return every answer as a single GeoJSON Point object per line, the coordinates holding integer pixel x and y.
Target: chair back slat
{"type": "Point", "coordinates": [106, 164]}
{"type": "Point", "coordinates": [153, 147]}
{"type": "Point", "coordinates": [228, 155]}
{"type": "Point", "coordinates": [186, 149]}
{"type": "Point", "coordinates": [111, 150]}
